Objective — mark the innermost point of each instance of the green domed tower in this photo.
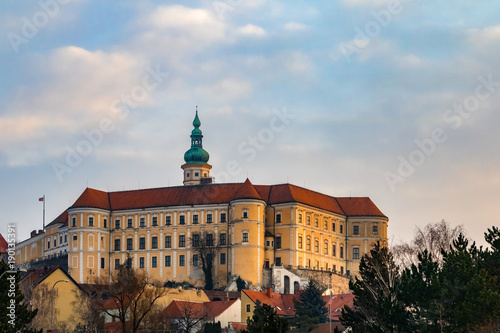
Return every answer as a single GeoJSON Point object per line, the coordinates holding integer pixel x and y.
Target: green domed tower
{"type": "Point", "coordinates": [196, 169]}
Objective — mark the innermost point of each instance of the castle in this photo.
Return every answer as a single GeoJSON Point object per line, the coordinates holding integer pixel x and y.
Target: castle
{"type": "Point", "coordinates": [253, 227]}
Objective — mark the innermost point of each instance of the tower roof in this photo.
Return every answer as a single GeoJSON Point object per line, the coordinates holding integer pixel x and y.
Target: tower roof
{"type": "Point", "coordinates": [196, 154]}
{"type": "Point", "coordinates": [247, 191]}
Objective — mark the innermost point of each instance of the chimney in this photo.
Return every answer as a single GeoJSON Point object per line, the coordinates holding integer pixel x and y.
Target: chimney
{"type": "Point", "coordinates": [269, 292]}
{"type": "Point", "coordinates": [33, 234]}
{"type": "Point", "coordinates": [40, 232]}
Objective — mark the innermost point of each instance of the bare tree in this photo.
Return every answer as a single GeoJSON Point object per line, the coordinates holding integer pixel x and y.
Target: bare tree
{"type": "Point", "coordinates": [127, 295]}
{"type": "Point", "coordinates": [40, 298]}
{"type": "Point", "coordinates": [193, 314]}
{"type": "Point", "coordinates": [434, 237]}
{"type": "Point", "coordinates": [207, 248]}
{"type": "Point", "coordinates": [86, 310]}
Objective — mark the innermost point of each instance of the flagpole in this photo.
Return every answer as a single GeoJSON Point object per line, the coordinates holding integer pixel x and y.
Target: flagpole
{"type": "Point", "coordinates": [44, 212]}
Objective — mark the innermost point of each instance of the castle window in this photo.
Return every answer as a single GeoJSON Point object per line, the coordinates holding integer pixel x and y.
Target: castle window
{"type": "Point", "coordinates": [117, 224]}
{"type": "Point", "coordinates": [355, 253]}
{"type": "Point", "coordinates": [341, 252]}
{"type": "Point", "coordinates": [333, 226]}
{"type": "Point", "coordinates": [245, 237]}
{"type": "Point", "coordinates": [195, 240]}
{"type": "Point", "coordinates": [187, 174]}
{"type": "Point", "coordinates": [155, 221]}
{"type": "Point", "coordinates": [142, 222]}
{"type": "Point", "coordinates": [182, 219]}
{"type": "Point", "coordinates": [245, 214]}
{"type": "Point", "coordinates": [182, 241]}
{"type": "Point", "coordinates": [182, 260]}
{"type": "Point", "coordinates": [142, 243]}
{"type": "Point", "coordinates": [141, 262]}
{"type": "Point", "coordinates": [117, 244]}
{"type": "Point", "coordinates": [48, 244]}
{"type": "Point", "coordinates": [105, 223]}
{"type": "Point", "coordinates": [278, 242]}
{"type": "Point", "coordinates": [129, 244]}
{"type": "Point", "coordinates": [316, 222]}
{"type": "Point", "coordinates": [308, 244]}
{"type": "Point", "coordinates": [168, 220]}
{"type": "Point", "coordinates": [168, 261]}
{"type": "Point", "coordinates": [129, 223]}
{"type": "Point", "coordinates": [223, 217]}
{"type": "Point", "coordinates": [91, 221]}
{"type": "Point", "coordinates": [300, 218]}
{"type": "Point", "coordinates": [117, 264]}
{"type": "Point", "coordinates": [326, 248]}
{"type": "Point", "coordinates": [73, 221]}
{"type": "Point", "coordinates": [316, 245]}
{"type": "Point", "coordinates": [210, 240]}
{"type": "Point", "coordinates": [326, 225]}
{"type": "Point", "coordinates": [154, 242]}
{"type": "Point", "coordinates": [195, 219]}
{"type": "Point", "coordinates": [195, 260]}
{"type": "Point", "coordinates": [308, 220]}
{"type": "Point", "coordinates": [355, 229]}
{"type": "Point", "coordinates": [65, 238]}
{"type": "Point", "coordinates": [222, 258]}
{"type": "Point", "coordinates": [278, 218]}
{"type": "Point", "coordinates": [103, 262]}
{"type": "Point", "coordinates": [222, 239]}
{"type": "Point", "coordinates": [209, 218]}
{"type": "Point", "coordinates": [168, 242]}
{"type": "Point", "coordinates": [153, 262]}
{"type": "Point", "coordinates": [341, 229]}
{"type": "Point", "coordinates": [75, 237]}
{"type": "Point", "coordinates": [128, 262]}
{"type": "Point", "coordinates": [334, 250]}
{"type": "Point", "coordinates": [300, 242]}
{"type": "Point", "coordinates": [375, 229]}
{"type": "Point", "coordinates": [278, 261]}
{"type": "Point", "coordinates": [196, 174]}
{"type": "Point", "coordinates": [60, 239]}
{"type": "Point", "coordinates": [55, 242]}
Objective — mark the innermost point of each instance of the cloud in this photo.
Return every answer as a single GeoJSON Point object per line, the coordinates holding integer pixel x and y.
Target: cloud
{"type": "Point", "coordinates": [295, 27]}
{"type": "Point", "coordinates": [489, 36]}
{"type": "Point", "coordinates": [78, 89]}
{"type": "Point", "coordinates": [251, 30]}
{"type": "Point", "coordinates": [226, 89]}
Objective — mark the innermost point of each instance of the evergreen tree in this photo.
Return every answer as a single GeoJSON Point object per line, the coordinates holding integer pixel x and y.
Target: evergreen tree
{"type": "Point", "coordinates": [376, 304]}
{"type": "Point", "coordinates": [310, 308]}
{"type": "Point", "coordinates": [266, 320]}
{"type": "Point", "coordinates": [15, 315]}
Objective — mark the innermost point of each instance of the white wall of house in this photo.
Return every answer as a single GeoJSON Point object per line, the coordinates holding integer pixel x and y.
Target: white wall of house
{"type": "Point", "coordinates": [232, 314]}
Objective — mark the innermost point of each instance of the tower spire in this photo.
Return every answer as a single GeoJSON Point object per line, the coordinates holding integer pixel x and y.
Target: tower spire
{"type": "Point", "coordinates": [196, 167]}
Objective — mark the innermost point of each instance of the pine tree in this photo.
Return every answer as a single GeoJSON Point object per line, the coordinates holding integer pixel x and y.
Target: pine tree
{"type": "Point", "coordinates": [266, 320]}
{"type": "Point", "coordinates": [15, 315]}
{"type": "Point", "coordinates": [376, 304]}
{"type": "Point", "coordinates": [310, 308]}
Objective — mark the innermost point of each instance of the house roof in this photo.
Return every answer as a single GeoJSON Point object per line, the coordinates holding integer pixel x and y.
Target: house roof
{"type": "Point", "coordinates": [35, 277]}
{"type": "Point", "coordinates": [62, 218]}
{"type": "Point", "coordinates": [238, 327]}
{"type": "Point", "coordinates": [224, 193]}
{"type": "Point", "coordinates": [3, 244]}
{"type": "Point", "coordinates": [282, 303]}
{"type": "Point", "coordinates": [216, 308]}
{"type": "Point", "coordinates": [337, 303]}
{"type": "Point", "coordinates": [180, 309]}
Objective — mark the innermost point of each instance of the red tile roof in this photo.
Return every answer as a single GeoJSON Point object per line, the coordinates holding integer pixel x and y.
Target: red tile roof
{"type": "Point", "coordinates": [216, 308]}
{"type": "Point", "coordinates": [63, 218]}
{"type": "Point", "coordinates": [238, 327]}
{"type": "Point", "coordinates": [247, 191]}
{"type": "Point", "coordinates": [180, 309]}
{"type": "Point", "coordinates": [337, 303]}
{"type": "Point", "coordinates": [224, 193]}
{"type": "Point", "coordinates": [282, 303]}
{"type": "Point", "coordinates": [359, 206]}
{"type": "Point", "coordinates": [3, 244]}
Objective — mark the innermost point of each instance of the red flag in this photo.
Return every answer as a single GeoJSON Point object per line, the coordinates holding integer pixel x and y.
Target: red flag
{"type": "Point", "coordinates": [41, 199]}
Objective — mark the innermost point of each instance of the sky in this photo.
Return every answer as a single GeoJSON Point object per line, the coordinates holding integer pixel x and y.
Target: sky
{"type": "Point", "coordinates": [394, 100]}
